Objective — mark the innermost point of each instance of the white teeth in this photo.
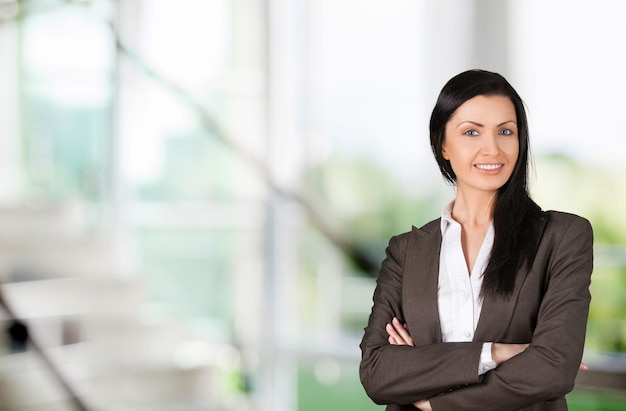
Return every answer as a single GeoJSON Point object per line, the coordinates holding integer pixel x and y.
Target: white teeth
{"type": "Point", "coordinates": [488, 166]}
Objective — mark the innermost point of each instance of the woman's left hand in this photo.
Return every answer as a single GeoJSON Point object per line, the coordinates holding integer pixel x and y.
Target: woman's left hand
{"type": "Point", "coordinates": [423, 405]}
{"type": "Point", "coordinates": [398, 333]}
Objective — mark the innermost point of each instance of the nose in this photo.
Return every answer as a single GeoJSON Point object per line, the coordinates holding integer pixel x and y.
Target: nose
{"type": "Point", "coordinates": [490, 144]}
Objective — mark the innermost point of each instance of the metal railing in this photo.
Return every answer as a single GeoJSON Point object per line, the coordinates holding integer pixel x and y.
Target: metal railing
{"type": "Point", "coordinates": [64, 383]}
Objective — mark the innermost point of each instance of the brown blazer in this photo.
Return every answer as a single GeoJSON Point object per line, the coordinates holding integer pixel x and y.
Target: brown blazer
{"type": "Point", "coordinates": [548, 309]}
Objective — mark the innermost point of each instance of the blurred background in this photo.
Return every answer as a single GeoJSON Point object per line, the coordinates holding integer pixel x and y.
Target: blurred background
{"type": "Point", "coordinates": [195, 195]}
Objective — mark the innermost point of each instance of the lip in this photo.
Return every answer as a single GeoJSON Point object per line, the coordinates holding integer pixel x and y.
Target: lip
{"type": "Point", "coordinates": [489, 168]}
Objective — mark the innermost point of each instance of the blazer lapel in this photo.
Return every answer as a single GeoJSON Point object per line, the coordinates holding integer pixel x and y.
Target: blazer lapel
{"type": "Point", "coordinates": [421, 279]}
{"type": "Point", "coordinates": [496, 313]}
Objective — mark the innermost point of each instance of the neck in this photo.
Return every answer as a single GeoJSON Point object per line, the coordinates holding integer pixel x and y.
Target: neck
{"type": "Point", "coordinates": [475, 209]}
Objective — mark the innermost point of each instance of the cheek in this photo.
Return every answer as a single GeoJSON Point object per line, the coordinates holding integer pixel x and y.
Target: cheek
{"type": "Point", "coordinates": [515, 151]}
{"type": "Point", "coordinates": [511, 149]}
{"type": "Point", "coordinates": [513, 157]}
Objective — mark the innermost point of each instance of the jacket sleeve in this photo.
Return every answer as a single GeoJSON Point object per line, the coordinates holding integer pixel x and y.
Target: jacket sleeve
{"type": "Point", "coordinates": [394, 374]}
{"type": "Point", "coordinates": [547, 369]}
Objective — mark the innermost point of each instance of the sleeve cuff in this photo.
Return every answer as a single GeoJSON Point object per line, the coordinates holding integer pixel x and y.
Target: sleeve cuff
{"type": "Point", "coordinates": [486, 363]}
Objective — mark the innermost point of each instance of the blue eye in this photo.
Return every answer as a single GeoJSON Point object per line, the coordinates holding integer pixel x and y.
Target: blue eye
{"type": "Point", "coordinates": [506, 132]}
{"type": "Point", "coordinates": [471, 133]}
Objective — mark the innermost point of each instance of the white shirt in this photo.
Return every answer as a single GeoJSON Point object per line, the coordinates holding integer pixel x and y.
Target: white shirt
{"type": "Point", "coordinates": [458, 295]}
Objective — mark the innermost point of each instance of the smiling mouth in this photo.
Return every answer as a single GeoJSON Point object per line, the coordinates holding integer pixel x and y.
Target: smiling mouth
{"type": "Point", "coordinates": [489, 166]}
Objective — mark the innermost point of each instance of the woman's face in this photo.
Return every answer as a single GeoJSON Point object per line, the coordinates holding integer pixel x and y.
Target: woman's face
{"type": "Point", "coordinates": [481, 143]}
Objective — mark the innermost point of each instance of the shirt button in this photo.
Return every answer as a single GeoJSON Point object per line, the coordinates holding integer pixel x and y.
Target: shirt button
{"type": "Point", "coordinates": [468, 334]}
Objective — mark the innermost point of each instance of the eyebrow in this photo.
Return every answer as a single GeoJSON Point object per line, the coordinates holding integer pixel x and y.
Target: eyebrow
{"type": "Point", "coordinates": [482, 125]}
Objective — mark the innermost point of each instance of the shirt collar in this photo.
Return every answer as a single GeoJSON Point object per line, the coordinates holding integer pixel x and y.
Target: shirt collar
{"type": "Point", "coordinates": [446, 218]}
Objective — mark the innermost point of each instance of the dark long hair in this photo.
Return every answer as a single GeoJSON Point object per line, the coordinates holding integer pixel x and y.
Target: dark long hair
{"type": "Point", "coordinates": [514, 211]}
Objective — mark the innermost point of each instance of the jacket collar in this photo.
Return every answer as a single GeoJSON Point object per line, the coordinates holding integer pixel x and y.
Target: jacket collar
{"type": "Point", "coordinates": [421, 278]}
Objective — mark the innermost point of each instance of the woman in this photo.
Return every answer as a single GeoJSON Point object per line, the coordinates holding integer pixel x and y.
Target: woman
{"type": "Point", "coordinates": [486, 307]}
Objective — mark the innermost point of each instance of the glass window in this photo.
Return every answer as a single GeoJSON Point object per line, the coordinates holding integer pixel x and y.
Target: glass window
{"type": "Point", "coordinates": [66, 66]}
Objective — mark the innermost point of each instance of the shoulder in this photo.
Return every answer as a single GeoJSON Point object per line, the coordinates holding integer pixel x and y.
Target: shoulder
{"type": "Point", "coordinates": [431, 226]}
{"type": "Point", "coordinates": [403, 240]}
{"type": "Point", "coordinates": [562, 221]}
{"type": "Point", "coordinates": [566, 231]}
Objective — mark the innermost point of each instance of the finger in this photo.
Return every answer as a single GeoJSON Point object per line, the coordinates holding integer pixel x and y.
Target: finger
{"type": "Point", "coordinates": [583, 367]}
{"type": "Point", "coordinates": [422, 405]}
{"type": "Point", "coordinates": [394, 334]}
{"type": "Point", "coordinates": [400, 329]}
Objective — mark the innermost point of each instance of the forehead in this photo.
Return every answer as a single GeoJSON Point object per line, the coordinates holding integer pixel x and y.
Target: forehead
{"type": "Point", "coordinates": [485, 109]}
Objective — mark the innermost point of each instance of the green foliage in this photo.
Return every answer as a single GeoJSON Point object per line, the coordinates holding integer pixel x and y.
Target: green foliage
{"type": "Point", "coordinates": [589, 190]}
{"type": "Point", "coordinates": [345, 393]}
{"type": "Point", "coordinates": [582, 400]}
{"type": "Point", "coordinates": [370, 202]}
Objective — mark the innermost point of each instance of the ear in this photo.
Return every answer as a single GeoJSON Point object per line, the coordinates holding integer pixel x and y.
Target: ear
{"type": "Point", "coordinates": [444, 152]}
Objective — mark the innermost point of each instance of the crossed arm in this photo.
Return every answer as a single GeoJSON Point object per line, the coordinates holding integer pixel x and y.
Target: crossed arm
{"type": "Point", "coordinates": [399, 335]}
